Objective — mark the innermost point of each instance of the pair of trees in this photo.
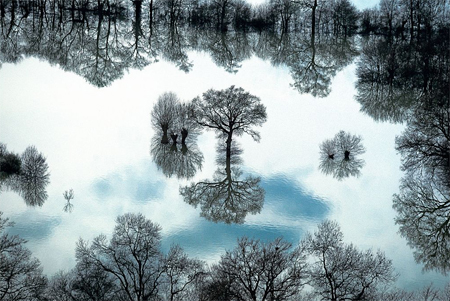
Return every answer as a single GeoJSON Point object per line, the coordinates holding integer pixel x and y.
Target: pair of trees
{"type": "Point", "coordinates": [170, 116]}
{"type": "Point", "coordinates": [339, 156]}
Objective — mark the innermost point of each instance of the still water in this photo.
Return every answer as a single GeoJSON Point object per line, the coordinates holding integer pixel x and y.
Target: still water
{"type": "Point", "coordinates": [97, 141]}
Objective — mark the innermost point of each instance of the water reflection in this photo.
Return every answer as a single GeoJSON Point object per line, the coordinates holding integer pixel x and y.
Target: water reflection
{"type": "Point", "coordinates": [312, 61]}
{"type": "Point", "coordinates": [26, 175]}
{"type": "Point", "coordinates": [170, 116]}
{"type": "Point", "coordinates": [405, 78]}
{"type": "Point", "coordinates": [228, 197]}
{"type": "Point", "coordinates": [339, 156]}
{"type": "Point", "coordinates": [101, 43]}
{"type": "Point", "coordinates": [68, 196]}
{"type": "Point", "coordinates": [423, 203]}
{"type": "Point", "coordinates": [172, 159]}
{"type": "Point", "coordinates": [396, 75]}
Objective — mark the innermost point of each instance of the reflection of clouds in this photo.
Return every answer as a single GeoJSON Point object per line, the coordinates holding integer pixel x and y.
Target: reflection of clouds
{"type": "Point", "coordinates": [289, 200]}
{"type": "Point", "coordinates": [121, 133]}
{"type": "Point", "coordinates": [33, 226]}
{"type": "Point", "coordinates": [133, 182]}
{"type": "Point", "coordinates": [287, 211]}
{"type": "Point", "coordinates": [209, 240]}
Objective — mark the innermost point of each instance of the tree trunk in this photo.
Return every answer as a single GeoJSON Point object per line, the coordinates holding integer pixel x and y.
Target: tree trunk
{"type": "Point", "coordinates": [184, 134]}
{"type": "Point", "coordinates": [174, 138]}
{"type": "Point", "coordinates": [313, 18]}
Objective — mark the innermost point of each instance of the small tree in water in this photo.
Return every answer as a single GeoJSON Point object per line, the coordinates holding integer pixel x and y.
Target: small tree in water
{"type": "Point", "coordinates": [339, 156]}
{"type": "Point", "coordinates": [230, 111]}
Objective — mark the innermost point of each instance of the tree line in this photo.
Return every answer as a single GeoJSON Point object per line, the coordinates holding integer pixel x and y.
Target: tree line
{"type": "Point", "coordinates": [129, 265]}
{"type": "Point", "coordinates": [283, 15]}
{"type": "Point", "coordinates": [101, 49]}
{"type": "Point", "coordinates": [403, 77]}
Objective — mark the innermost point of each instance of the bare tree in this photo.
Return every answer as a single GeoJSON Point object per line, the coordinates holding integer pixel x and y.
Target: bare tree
{"type": "Point", "coordinates": [60, 287]}
{"type": "Point", "coordinates": [68, 196]}
{"type": "Point", "coordinates": [164, 114]}
{"type": "Point", "coordinates": [230, 111]}
{"type": "Point", "coordinates": [341, 272]}
{"type": "Point", "coordinates": [132, 257]}
{"type": "Point", "coordinates": [423, 213]}
{"type": "Point", "coordinates": [181, 275]}
{"type": "Point", "coordinates": [425, 144]}
{"type": "Point", "coordinates": [185, 125]}
{"type": "Point", "coordinates": [34, 177]}
{"type": "Point", "coordinates": [20, 275]}
{"type": "Point", "coordinates": [423, 203]}
{"type": "Point", "coordinates": [258, 271]}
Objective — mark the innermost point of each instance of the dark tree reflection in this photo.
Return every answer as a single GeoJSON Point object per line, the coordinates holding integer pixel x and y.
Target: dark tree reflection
{"type": "Point", "coordinates": [313, 61]}
{"type": "Point", "coordinates": [340, 156]}
{"type": "Point", "coordinates": [182, 160]}
{"type": "Point", "coordinates": [100, 41]}
{"type": "Point", "coordinates": [396, 76]}
{"type": "Point", "coordinates": [29, 178]}
{"type": "Point", "coordinates": [229, 196]}
{"type": "Point", "coordinates": [227, 49]}
{"type": "Point", "coordinates": [175, 46]}
{"type": "Point", "coordinates": [404, 77]}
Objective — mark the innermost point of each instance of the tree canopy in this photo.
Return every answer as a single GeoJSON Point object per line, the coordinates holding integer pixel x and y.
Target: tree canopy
{"type": "Point", "coordinates": [230, 111]}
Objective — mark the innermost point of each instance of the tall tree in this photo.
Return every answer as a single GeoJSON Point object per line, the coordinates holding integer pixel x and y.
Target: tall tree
{"type": "Point", "coordinates": [341, 272]}
{"type": "Point", "coordinates": [230, 111]}
{"type": "Point", "coordinates": [181, 275]}
{"type": "Point", "coordinates": [132, 257]}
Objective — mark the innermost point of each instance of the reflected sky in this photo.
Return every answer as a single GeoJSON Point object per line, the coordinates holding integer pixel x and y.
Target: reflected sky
{"type": "Point", "coordinates": [97, 142]}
